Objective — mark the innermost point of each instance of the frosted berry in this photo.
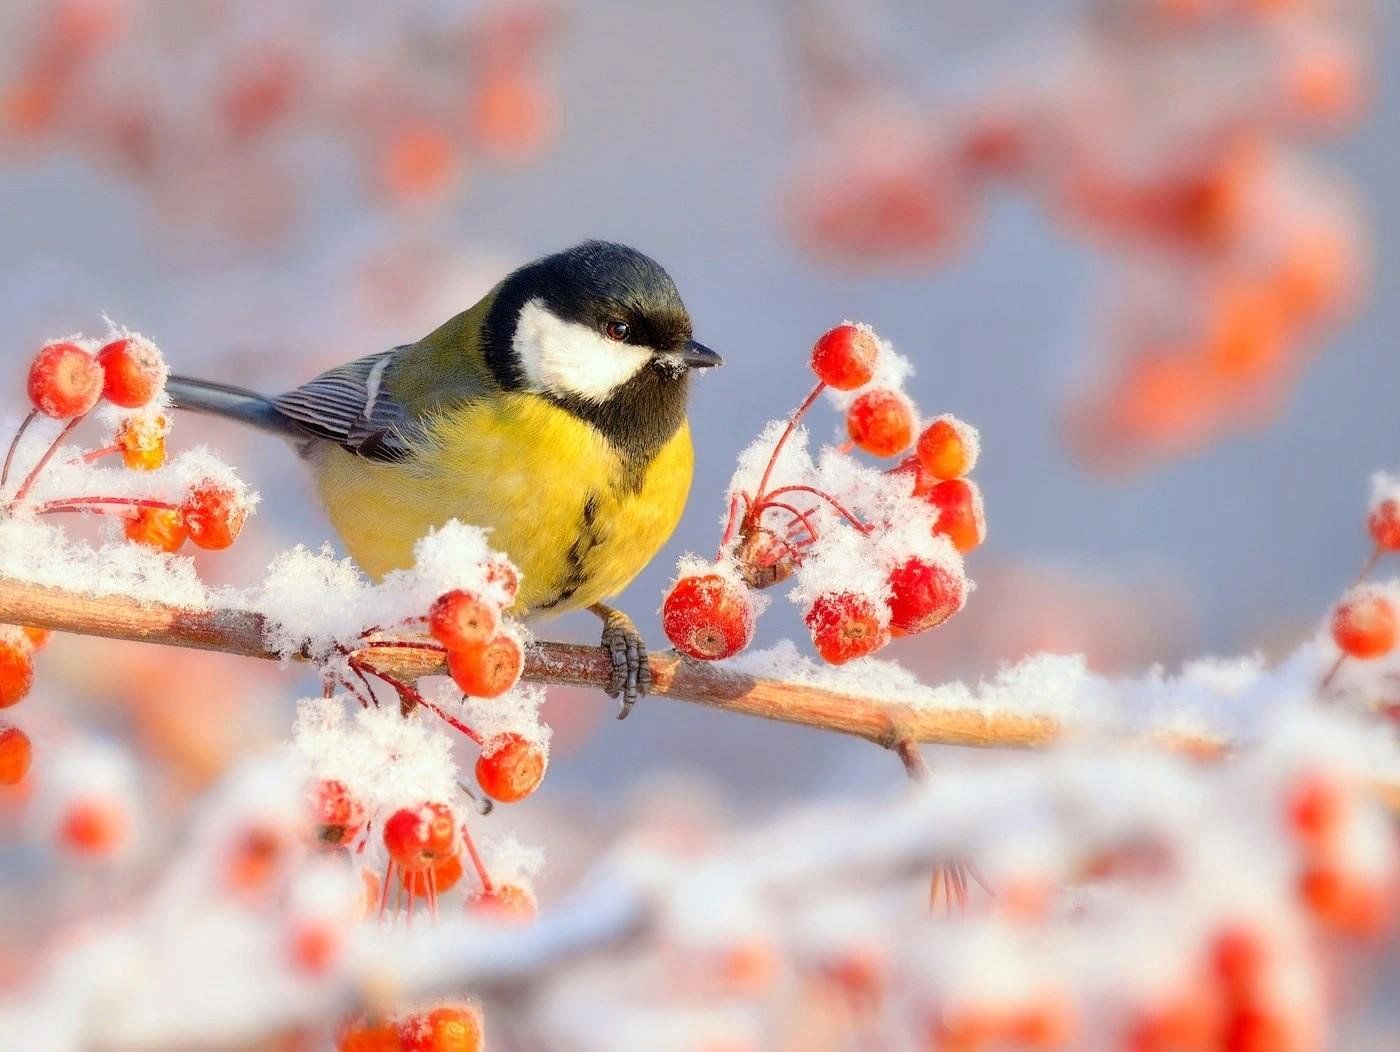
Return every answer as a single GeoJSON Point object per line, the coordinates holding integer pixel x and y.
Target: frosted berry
{"type": "Point", "coordinates": [16, 668]}
{"type": "Point", "coordinates": [510, 903]}
{"type": "Point", "coordinates": [133, 372]}
{"type": "Point", "coordinates": [845, 627]}
{"type": "Point", "coordinates": [338, 816]}
{"type": "Point", "coordinates": [445, 872]}
{"type": "Point", "coordinates": [93, 827]}
{"type": "Point", "coordinates": [142, 442]}
{"type": "Point", "coordinates": [503, 575]}
{"type": "Point", "coordinates": [1364, 626]}
{"type": "Point", "coordinates": [844, 357]}
{"type": "Point", "coordinates": [160, 528]}
{"type": "Point", "coordinates": [923, 595]}
{"type": "Point", "coordinates": [368, 1035]}
{"type": "Point", "coordinates": [446, 1029]}
{"type": "Point", "coordinates": [213, 514]}
{"type": "Point", "coordinates": [707, 616]}
{"type": "Point", "coordinates": [947, 448]}
{"type": "Point", "coordinates": [418, 837]}
{"type": "Point", "coordinates": [460, 620]}
{"type": "Point", "coordinates": [1384, 525]}
{"type": "Point", "coordinates": [511, 770]}
{"type": "Point", "coordinates": [16, 753]}
{"type": "Point", "coordinates": [960, 516]}
{"type": "Point", "coordinates": [488, 671]}
{"type": "Point", "coordinates": [881, 422]}
{"type": "Point", "coordinates": [64, 381]}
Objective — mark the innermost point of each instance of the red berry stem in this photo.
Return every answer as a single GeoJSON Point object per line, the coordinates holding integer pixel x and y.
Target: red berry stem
{"type": "Point", "coordinates": [840, 508]}
{"type": "Point", "coordinates": [731, 525]}
{"type": "Point", "coordinates": [477, 863]}
{"type": "Point", "coordinates": [97, 454]}
{"type": "Point", "coordinates": [94, 503]}
{"type": "Point", "coordinates": [1332, 672]}
{"type": "Point", "coordinates": [798, 516]}
{"type": "Point", "coordinates": [417, 698]}
{"type": "Point", "coordinates": [791, 549]}
{"type": "Point", "coordinates": [14, 445]}
{"type": "Point", "coordinates": [797, 415]}
{"type": "Point", "coordinates": [1369, 565]}
{"type": "Point", "coordinates": [29, 479]}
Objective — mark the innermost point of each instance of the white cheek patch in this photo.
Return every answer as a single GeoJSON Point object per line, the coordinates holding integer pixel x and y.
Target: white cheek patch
{"type": "Point", "coordinates": [566, 358]}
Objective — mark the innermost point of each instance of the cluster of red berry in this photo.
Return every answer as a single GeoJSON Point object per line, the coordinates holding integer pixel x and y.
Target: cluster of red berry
{"type": "Point", "coordinates": [66, 382]}
{"type": "Point", "coordinates": [484, 657]}
{"type": "Point", "coordinates": [412, 117]}
{"type": "Point", "coordinates": [449, 1028]}
{"type": "Point", "coordinates": [1364, 624]}
{"type": "Point", "coordinates": [921, 516]}
{"type": "Point", "coordinates": [1240, 256]}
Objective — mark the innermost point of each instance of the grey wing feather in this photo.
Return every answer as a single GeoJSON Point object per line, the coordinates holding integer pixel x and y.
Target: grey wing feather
{"type": "Point", "coordinates": [351, 406]}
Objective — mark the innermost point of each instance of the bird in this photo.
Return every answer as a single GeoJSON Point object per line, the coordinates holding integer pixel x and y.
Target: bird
{"type": "Point", "coordinates": [552, 413]}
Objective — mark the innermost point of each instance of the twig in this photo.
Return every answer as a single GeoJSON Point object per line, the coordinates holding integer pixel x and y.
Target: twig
{"type": "Point", "coordinates": [235, 631]}
{"type": "Point", "coordinates": [888, 724]}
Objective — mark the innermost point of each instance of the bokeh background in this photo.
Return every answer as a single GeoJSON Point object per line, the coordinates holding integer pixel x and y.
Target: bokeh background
{"type": "Point", "coordinates": [270, 189]}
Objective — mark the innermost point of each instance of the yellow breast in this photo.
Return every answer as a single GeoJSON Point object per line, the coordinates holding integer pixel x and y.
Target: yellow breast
{"type": "Point", "coordinates": [554, 493]}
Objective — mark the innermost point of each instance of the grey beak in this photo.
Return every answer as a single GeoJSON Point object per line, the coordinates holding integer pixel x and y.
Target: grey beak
{"type": "Point", "coordinates": [698, 356]}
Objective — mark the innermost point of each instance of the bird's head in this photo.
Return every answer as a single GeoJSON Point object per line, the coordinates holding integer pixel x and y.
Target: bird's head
{"type": "Point", "coordinates": [597, 324]}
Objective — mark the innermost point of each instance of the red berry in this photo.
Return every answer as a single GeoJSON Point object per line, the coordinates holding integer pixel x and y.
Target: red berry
{"type": "Point", "coordinates": [314, 946]}
{"type": "Point", "coordinates": [1316, 806]}
{"type": "Point", "coordinates": [1384, 525]}
{"type": "Point", "coordinates": [16, 668]}
{"type": "Point", "coordinates": [16, 753]}
{"type": "Point", "coordinates": [1239, 958]}
{"type": "Point", "coordinates": [960, 516]}
{"type": "Point", "coordinates": [845, 627]}
{"type": "Point", "coordinates": [366, 1035]}
{"type": "Point", "coordinates": [1364, 625]}
{"type": "Point", "coordinates": [160, 528]}
{"type": "Point", "coordinates": [339, 817]}
{"type": "Point", "coordinates": [417, 837]}
{"type": "Point", "coordinates": [844, 357]}
{"type": "Point", "coordinates": [64, 381]}
{"type": "Point", "coordinates": [446, 1029]}
{"type": "Point", "coordinates": [460, 620]}
{"type": "Point", "coordinates": [213, 514]}
{"type": "Point", "coordinates": [502, 574]}
{"type": "Point", "coordinates": [133, 372]}
{"type": "Point", "coordinates": [488, 671]}
{"type": "Point", "coordinates": [1344, 901]}
{"type": "Point", "coordinates": [445, 873]}
{"type": "Point", "coordinates": [93, 827]}
{"type": "Point", "coordinates": [142, 442]}
{"type": "Point", "coordinates": [947, 449]}
{"type": "Point", "coordinates": [923, 595]}
{"type": "Point", "coordinates": [881, 422]}
{"type": "Point", "coordinates": [511, 770]}
{"type": "Point", "coordinates": [509, 903]}
{"type": "Point", "coordinates": [707, 616]}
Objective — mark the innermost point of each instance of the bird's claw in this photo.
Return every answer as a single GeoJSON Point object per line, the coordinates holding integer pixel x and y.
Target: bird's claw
{"type": "Point", "coordinates": [631, 675]}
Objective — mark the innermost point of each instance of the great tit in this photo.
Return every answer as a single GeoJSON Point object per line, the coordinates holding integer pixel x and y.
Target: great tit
{"type": "Point", "coordinates": [553, 413]}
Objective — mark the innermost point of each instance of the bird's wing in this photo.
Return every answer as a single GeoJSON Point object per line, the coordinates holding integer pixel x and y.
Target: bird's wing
{"type": "Point", "coordinates": [351, 406]}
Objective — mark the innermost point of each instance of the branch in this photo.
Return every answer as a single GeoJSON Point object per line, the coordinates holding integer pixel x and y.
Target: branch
{"type": "Point", "coordinates": [234, 631]}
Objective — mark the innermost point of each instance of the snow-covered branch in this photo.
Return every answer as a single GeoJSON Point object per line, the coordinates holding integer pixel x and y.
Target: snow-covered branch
{"type": "Point", "coordinates": [887, 723]}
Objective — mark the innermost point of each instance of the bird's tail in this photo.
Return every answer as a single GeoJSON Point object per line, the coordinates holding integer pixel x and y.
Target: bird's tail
{"type": "Point", "coordinates": [234, 403]}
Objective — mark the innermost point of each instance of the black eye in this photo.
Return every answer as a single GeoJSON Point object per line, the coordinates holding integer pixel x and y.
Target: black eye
{"type": "Point", "coordinates": [617, 330]}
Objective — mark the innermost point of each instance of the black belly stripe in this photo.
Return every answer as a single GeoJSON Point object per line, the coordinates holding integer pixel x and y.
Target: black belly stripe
{"type": "Point", "coordinates": [589, 537]}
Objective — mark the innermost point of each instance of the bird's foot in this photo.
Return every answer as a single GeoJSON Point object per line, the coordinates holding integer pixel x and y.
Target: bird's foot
{"type": "Point", "coordinates": [631, 675]}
